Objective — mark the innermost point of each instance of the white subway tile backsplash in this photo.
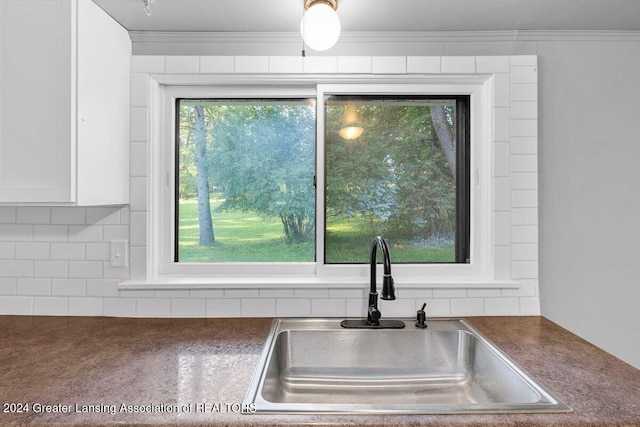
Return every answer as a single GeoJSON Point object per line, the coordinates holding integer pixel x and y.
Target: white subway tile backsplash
{"type": "Point", "coordinates": [119, 307]}
{"type": "Point", "coordinates": [525, 270]}
{"type": "Point", "coordinates": [115, 232]}
{"type": "Point", "coordinates": [320, 64]}
{"type": "Point", "coordinates": [32, 250]}
{"type": "Point", "coordinates": [524, 110]}
{"type": "Point", "coordinates": [524, 181]}
{"type": "Point", "coordinates": [216, 64]}
{"type": "Point", "coordinates": [153, 307]}
{"type": "Point", "coordinates": [241, 293]}
{"type": "Point", "coordinates": [50, 306]}
{"type": "Point", "coordinates": [449, 293]}
{"type": "Point", "coordinates": [501, 124]}
{"type": "Point", "coordinates": [524, 199]}
{"type": "Point", "coordinates": [328, 307]}
{"type": "Point", "coordinates": [524, 252]}
{"type": "Point", "coordinates": [285, 64]}
{"type": "Point", "coordinates": [8, 214]}
{"type": "Point", "coordinates": [139, 96]}
{"type": "Point", "coordinates": [68, 287]}
{"type": "Point", "coordinates": [85, 269]}
{"type": "Point", "coordinates": [16, 305]}
{"type": "Point", "coordinates": [85, 233]}
{"type": "Point", "coordinates": [16, 268]}
{"type": "Point", "coordinates": [50, 269]}
{"type": "Point", "coordinates": [438, 307]}
{"type": "Point", "coordinates": [147, 64]}
{"type": "Point", "coordinates": [293, 307]}
{"type": "Point", "coordinates": [67, 251]}
{"type": "Point", "coordinates": [251, 64]}
{"type": "Point", "coordinates": [68, 215]}
{"type": "Point", "coordinates": [424, 64]}
{"type": "Point", "coordinates": [501, 90]}
{"type": "Point", "coordinates": [50, 233]}
{"type": "Point", "coordinates": [529, 306]}
{"type": "Point", "coordinates": [502, 306]}
{"type": "Point", "coordinates": [97, 251]}
{"type": "Point", "coordinates": [32, 286]}
{"type": "Point", "coordinates": [184, 307]}
{"type": "Point", "coordinates": [258, 307]}
{"type": "Point", "coordinates": [138, 194]}
{"type": "Point", "coordinates": [389, 64]}
{"type": "Point", "coordinates": [16, 232]}
{"type": "Point", "coordinates": [355, 64]}
{"type": "Point", "coordinates": [8, 285]}
{"type": "Point", "coordinates": [102, 287]}
{"type": "Point", "coordinates": [524, 216]}
{"type": "Point", "coordinates": [524, 74]}
{"type": "Point", "coordinates": [85, 306]}
{"type": "Point", "coordinates": [7, 250]}
{"type": "Point", "coordinates": [467, 307]}
{"type": "Point", "coordinates": [179, 64]}
{"type": "Point", "coordinates": [33, 215]}
{"type": "Point", "coordinates": [459, 64]}
{"type": "Point", "coordinates": [138, 129]}
{"type": "Point", "coordinates": [55, 260]}
{"type": "Point", "coordinates": [206, 293]}
{"type": "Point", "coordinates": [276, 293]}
{"type": "Point", "coordinates": [492, 64]}
{"type": "Point", "coordinates": [524, 92]}
{"type": "Point", "coordinates": [524, 163]}
{"type": "Point", "coordinates": [228, 307]}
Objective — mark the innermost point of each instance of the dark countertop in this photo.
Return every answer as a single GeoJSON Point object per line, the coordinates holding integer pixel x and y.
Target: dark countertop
{"type": "Point", "coordinates": [77, 364]}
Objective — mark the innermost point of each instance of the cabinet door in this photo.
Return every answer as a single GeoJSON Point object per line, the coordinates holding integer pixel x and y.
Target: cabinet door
{"type": "Point", "coordinates": [36, 93]}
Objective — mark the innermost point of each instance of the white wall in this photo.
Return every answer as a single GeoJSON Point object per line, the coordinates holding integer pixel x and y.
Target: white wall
{"type": "Point", "coordinates": [589, 195]}
{"type": "Point", "coordinates": [589, 203]}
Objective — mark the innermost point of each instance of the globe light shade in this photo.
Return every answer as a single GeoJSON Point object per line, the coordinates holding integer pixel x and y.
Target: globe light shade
{"type": "Point", "coordinates": [351, 132]}
{"type": "Point", "coordinates": [320, 26]}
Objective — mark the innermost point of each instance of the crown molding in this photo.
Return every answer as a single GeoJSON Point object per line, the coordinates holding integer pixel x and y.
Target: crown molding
{"type": "Point", "coordinates": [383, 37]}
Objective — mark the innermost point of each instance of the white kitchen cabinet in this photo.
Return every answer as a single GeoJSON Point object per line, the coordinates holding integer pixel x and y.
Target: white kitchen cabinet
{"type": "Point", "coordinates": [64, 104]}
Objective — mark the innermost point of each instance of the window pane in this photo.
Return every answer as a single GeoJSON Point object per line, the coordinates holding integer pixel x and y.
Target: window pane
{"type": "Point", "coordinates": [391, 171]}
{"type": "Point", "coordinates": [245, 181]}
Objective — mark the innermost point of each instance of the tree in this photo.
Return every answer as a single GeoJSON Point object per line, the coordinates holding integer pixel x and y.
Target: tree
{"type": "Point", "coordinates": [262, 160]}
{"type": "Point", "coordinates": [205, 223]}
{"type": "Point", "coordinates": [397, 173]}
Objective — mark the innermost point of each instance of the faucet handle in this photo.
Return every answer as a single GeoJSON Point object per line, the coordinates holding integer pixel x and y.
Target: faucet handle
{"type": "Point", "coordinates": [421, 318]}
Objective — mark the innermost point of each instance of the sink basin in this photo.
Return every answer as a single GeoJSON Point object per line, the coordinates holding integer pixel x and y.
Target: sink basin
{"type": "Point", "coordinates": [315, 366]}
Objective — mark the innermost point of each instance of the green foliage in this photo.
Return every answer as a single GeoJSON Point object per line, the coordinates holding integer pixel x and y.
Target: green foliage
{"type": "Point", "coordinates": [262, 159]}
{"type": "Point", "coordinates": [394, 176]}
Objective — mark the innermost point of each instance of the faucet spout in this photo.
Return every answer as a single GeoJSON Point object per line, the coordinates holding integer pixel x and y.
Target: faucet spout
{"type": "Point", "coordinates": [388, 293]}
{"type": "Point", "coordinates": [388, 290]}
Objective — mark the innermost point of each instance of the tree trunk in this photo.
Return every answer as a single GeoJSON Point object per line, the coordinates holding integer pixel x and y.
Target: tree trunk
{"type": "Point", "coordinates": [207, 238]}
{"type": "Point", "coordinates": [445, 137]}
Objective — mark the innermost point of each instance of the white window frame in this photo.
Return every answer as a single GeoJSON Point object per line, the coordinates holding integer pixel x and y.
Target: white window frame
{"type": "Point", "coordinates": [163, 272]}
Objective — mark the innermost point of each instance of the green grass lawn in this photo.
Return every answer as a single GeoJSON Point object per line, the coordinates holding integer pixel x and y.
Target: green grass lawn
{"type": "Point", "coordinates": [240, 237]}
{"type": "Point", "coordinates": [248, 237]}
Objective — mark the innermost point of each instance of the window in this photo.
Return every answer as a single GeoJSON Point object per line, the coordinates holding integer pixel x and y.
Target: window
{"type": "Point", "coordinates": [244, 180]}
{"type": "Point", "coordinates": [428, 256]}
{"type": "Point", "coordinates": [395, 165]}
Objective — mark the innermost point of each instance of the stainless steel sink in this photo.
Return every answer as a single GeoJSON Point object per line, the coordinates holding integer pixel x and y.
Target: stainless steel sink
{"type": "Point", "coordinates": [315, 366]}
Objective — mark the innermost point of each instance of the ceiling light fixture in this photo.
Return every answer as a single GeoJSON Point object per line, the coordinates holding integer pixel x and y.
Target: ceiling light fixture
{"type": "Point", "coordinates": [320, 25]}
{"type": "Point", "coordinates": [351, 132]}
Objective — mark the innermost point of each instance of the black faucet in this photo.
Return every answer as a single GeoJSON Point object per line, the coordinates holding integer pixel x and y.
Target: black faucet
{"type": "Point", "coordinates": [388, 292]}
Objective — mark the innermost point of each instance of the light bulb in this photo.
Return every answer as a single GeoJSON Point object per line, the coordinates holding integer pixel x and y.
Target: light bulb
{"type": "Point", "coordinates": [351, 132]}
{"type": "Point", "coordinates": [320, 26]}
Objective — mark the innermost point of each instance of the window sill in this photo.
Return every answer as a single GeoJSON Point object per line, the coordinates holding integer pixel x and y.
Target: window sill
{"type": "Point", "coordinates": [308, 282]}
